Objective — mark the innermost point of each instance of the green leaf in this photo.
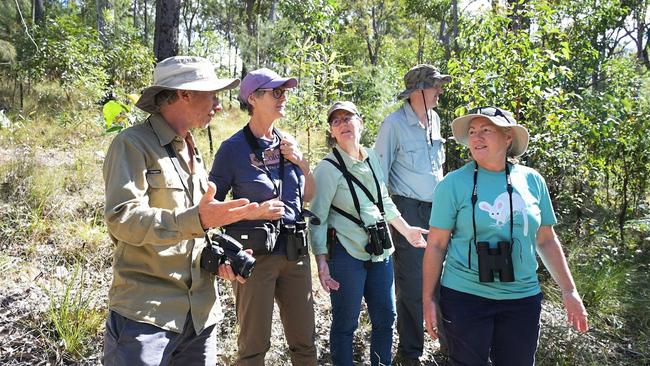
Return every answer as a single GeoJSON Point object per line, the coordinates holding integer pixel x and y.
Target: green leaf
{"type": "Point", "coordinates": [111, 110]}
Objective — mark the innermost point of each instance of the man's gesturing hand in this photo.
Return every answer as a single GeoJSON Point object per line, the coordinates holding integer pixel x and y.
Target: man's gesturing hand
{"type": "Point", "coordinates": [213, 213]}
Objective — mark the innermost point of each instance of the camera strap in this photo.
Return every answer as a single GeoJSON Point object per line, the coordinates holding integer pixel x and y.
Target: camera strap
{"type": "Point", "coordinates": [254, 145]}
{"type": "Point", "coordinates": [349, 177]}
{"type": "Point", "coordinates": [475, 199]}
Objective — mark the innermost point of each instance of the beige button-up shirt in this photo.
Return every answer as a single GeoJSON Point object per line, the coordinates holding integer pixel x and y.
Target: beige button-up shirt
{"type": "Point", "coordinates": [156, 229]}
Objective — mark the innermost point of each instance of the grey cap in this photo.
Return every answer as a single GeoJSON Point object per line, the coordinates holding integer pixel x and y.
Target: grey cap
{"type": "Point", "coordinates": [343, 105]}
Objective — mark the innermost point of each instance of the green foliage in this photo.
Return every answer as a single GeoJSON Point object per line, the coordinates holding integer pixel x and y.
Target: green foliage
{"type": "Point", "coordinates": [117, 115]}
{"type": "Point", "coordinates": [560, 66]}
{"type": "Point", "coordinates": [67, 51]}
{"type": "Point", "coordinates": [321, 79]}
{"type": "Point", "coordinates": [73, 316]}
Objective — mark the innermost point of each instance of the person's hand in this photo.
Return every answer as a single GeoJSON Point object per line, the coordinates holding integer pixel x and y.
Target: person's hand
{"type": "Point", "coordinates": [289, 149]}
{"type": "Point", "coordinates": [326, 281]}
{"type": "Point", "coordinates": [575, 309]}
{"type": "Point", "coordinates": [272, 209]}
{"type": "Point", "coordinates": [226, 272]}
{"type": "Point", "coordinates": [415, 238]}
{"type": "Point", "coordinates": [213, 213]}
{"type": "Point", "coordinates": [430, 318]}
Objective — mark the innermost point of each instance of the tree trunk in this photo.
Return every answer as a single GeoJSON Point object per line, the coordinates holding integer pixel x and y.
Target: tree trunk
{"type": "Point", "coordinates": [146, 22]}
{"type": "Point", "coordinates": [272, 12]}
{"type": "Point", "coordinates": [642, 32]}
{"type": "Point", "coordinates": [190, 10]}
{"type": "Point", "coordinates": [454, 25]}
{"type": "Point", "coordinates": [103, 7]}
{"type": "Point", "coordinates": [165, 40]}
{"type": "Point", "coordinates": [38, 11]}
{"type": "Point", "coordinates": [135, 14]}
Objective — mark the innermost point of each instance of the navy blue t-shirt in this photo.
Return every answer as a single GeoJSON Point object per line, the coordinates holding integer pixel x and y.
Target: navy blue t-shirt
{"type": "Point", "coordinates": [236, 168]}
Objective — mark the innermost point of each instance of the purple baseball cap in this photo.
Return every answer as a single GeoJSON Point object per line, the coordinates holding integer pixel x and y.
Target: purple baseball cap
{"type": "Point", "coordinates": [263, 79]}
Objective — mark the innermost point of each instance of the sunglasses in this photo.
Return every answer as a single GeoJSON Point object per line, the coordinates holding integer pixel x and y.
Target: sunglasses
{"type": "Point", "coordinates": [277, 93]}
{"type": "Point", "coordinates": [491, 112]}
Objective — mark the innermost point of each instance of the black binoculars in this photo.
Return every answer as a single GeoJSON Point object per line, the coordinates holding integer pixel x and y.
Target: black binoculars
{"type": "Point", "coordinates": [379, 238]}
{"type": "Point", "coordinates": [296, 239]}
{"type": "Point", "coordinates": [221, 248]}
{"type": "Point", "coordinates": [497, 259]}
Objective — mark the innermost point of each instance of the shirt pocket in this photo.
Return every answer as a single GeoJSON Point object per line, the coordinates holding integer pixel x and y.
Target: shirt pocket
{"type": "Point", "coordinates": [415, 155]}
{"type": "Point", "coordinates": [165, 190]}
{"type": "Point", "coordinates": [438, 152]}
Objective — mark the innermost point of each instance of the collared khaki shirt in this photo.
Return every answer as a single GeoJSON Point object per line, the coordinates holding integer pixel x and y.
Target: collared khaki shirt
{"type": "Point", "coordinates": [156, 229]}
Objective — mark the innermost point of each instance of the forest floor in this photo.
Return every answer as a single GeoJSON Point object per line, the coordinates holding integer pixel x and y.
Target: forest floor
{"type": "Point", "coordinates": [55, 259]}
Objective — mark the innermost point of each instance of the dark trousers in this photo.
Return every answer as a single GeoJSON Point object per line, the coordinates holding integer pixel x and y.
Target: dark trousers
{"type": "Point", "coordinates": [408, 279]}
{"type": "Point", "coordinates": [506, 331]}
{"type": "Point", "coordinates": [128, 342]}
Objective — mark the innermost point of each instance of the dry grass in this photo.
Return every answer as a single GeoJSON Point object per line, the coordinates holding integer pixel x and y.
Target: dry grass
{"type": "Point", "coordinates": [51, 222]}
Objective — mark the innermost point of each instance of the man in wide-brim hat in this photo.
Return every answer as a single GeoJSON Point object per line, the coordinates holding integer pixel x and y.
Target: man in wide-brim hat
{"type": "Point", "coordinates": [163, 305]}
{"type": "Point", "coordinates": [411, 151]}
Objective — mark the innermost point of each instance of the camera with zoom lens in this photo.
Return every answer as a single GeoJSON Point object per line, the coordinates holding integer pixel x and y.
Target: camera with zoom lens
{"type": "Point", "coordinates": [497, 259]}
{"type": "Point", "coordinates": [296, 239]}
{"type": "Point", "coordinates": [379, 238]}
{"type": "Point", "coordinates": [221, 248]}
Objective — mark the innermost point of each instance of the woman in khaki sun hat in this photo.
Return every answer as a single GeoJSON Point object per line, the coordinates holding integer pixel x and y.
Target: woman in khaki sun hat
{"type": "Point", "coordinates": [488, 220]}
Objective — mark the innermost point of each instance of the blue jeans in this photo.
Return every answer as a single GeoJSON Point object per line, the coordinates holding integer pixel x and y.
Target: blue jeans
{"type": "Point", "coordinates": [375, 284]}
{"type": "Point", "coordinates": [506, 331]}
{"type": "Point", "coordinates": [128, 342]}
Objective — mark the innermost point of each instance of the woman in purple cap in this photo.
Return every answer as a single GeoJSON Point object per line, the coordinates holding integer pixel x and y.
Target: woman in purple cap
{"type": "Point", "coordinates": [265, 165]}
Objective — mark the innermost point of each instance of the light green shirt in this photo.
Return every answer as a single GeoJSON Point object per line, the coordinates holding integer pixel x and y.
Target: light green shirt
{"type": "Point", "coordinates": [333, 189]}
{"type": "Point", "coordinates": [156, 230]}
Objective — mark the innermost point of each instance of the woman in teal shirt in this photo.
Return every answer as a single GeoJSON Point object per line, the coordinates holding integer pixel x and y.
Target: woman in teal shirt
{"type": "Point", "coordinates": [487, 221]}
{"type": "Point", "coordinates": [353, 204]}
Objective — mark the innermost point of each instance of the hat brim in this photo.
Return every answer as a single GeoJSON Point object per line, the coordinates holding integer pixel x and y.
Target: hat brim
{"type": "Point", "coordinates": [287, 83]}
{"type": "Point", "coordinates": [147, 98]}
{"type": "Point", "coordinates": [407, 92]}
{"type": "Point", "coordinates": [342, 108]}
{"type": "Point", "coordinates": [520, 137]}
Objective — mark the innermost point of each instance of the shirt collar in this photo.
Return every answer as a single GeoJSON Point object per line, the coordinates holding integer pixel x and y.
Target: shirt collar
{"type": "Point", "coordinates": [411, 117]}
{"type": "Point", "coordinates": [162, 129]}
{"type": "Point", "coordinates": [348, 160]}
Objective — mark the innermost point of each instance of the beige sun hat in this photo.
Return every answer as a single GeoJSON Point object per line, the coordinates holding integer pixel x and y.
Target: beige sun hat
{"type": "Point", "coordinates": [501, 118]}
{"type": "Point", "coordinates": [182, 73]}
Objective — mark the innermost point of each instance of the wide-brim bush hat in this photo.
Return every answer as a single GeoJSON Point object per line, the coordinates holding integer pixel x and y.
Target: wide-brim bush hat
{"type": "Point", "coordinates": [182, 73]}
{"type": "Point", "coordinates": [498, 116]}
{"type": "Point", "coordinates": [263, 79]}
{"type": "Point", "coordinates": [422, 76]}
{"type": "Point", "coordinates": [343, 105]}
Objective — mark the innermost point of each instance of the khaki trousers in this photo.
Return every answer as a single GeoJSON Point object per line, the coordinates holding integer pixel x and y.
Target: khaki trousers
{"type": "Point", "coordinates": [289, 283]}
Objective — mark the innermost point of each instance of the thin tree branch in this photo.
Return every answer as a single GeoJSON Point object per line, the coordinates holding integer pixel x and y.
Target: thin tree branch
{"type": "Point", "coordinates": [25, 25]}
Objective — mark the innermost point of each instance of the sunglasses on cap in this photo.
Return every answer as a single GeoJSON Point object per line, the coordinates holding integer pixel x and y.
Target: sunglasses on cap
{"type": "Point", "coordinates": [277, 93]}
{"type": "Point", "coordinates": [491, 112]}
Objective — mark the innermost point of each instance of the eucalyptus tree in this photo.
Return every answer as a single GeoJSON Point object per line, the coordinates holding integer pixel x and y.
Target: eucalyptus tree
{"type": "Point", "coordinates": [166, 33]}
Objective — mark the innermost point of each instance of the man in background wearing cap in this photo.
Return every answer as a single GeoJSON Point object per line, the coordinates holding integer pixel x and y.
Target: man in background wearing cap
{"type": "Point", "coordinates": [411, 152]}
{"type": "Point", "coordinates": [265, 165]}
{"type": "Point", "coordinates": [163, 305]}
